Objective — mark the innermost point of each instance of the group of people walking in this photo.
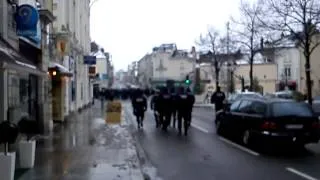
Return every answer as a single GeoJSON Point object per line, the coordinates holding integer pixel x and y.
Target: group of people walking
{"type": "Point", "coordinates": [170, 107]}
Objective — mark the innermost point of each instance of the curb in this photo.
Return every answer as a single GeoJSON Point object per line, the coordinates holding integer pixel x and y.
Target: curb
{"type": "Point", "coordinates": [143, 158]}
{"type": "Point", "coordinates": [133, 143]}
{"type": "Point", "coordinates": [204, 106]}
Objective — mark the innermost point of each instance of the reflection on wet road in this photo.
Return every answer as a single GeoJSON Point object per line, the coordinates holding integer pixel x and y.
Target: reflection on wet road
{"type": "Point", "coordinates": [85, 148]}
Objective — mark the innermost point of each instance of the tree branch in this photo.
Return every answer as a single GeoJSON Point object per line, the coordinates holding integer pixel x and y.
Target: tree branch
{"type": "Point", "coordinates": [314, 47]}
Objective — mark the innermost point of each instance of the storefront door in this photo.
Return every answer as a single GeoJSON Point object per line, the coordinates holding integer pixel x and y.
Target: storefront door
{"type": "Point", "coordinates": [33, 97]}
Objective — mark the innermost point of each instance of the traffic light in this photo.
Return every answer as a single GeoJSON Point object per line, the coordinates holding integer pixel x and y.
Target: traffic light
{"type": "Point", "coordinates": [187, 80]}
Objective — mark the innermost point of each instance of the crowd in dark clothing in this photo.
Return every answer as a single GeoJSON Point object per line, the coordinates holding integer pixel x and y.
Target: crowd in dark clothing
{"type": "Point", "coordinates": [121, 94]}
{"type": "Point", "coordinates": [174, 104]}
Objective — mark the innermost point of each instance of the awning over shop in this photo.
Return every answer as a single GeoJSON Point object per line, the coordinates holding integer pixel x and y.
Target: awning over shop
{"type": "Point", "coordinates": [12, 59]}
{"type": "Point", "coordinates": [63, 70]}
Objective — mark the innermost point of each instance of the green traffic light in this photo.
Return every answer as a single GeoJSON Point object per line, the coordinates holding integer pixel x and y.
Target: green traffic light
{"type": "Point", "coordinates": [187, 81]}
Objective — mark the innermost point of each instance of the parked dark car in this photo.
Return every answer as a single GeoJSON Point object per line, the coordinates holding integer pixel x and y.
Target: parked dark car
{"type": "Point", "coordinates": [316, 105]}
{"type": "Point", "coordinates": [269, 121]}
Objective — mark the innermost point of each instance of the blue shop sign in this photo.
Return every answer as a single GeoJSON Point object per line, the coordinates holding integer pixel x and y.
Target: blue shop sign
{"type": "Point", "coordinates": [90, 60]}
{"type": "Point", "coordinates": [27, 18]}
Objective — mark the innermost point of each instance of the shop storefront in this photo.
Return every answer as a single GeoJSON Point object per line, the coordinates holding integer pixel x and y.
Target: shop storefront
{"type": "Point", "coordinates": [60, 77]}
{"type": "Point", "coordinates": [18, 82]}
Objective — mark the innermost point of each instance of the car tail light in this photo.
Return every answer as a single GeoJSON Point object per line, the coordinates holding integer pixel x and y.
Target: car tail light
{"type": "Point", "coordinates": [316, 125]}
{"type": "Point", "coordinates": [267, 125]}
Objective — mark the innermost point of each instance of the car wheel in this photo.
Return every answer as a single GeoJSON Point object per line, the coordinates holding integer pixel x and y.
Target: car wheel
{"type": "Point", "coordinates": [246, 138]}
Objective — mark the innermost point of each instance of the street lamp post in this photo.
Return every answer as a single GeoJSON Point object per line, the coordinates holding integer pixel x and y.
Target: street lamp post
{"type": "Point", "coordinates": [196, 70]}
{"type": "Point", "coordinates": [231, 69]}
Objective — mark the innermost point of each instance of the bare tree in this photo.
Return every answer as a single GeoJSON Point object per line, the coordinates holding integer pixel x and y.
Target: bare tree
{"type": "Point", "coordinates": [247, 32]}
{"type": "Point", "coordinates": [299, 18]}
{"type": "Point", "coordinates": [92, 2]}
{"type": "Point", "coordinates": [212, 42]}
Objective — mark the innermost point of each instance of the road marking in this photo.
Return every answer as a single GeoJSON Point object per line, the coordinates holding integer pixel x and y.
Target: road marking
{"type": "Point", "coordinates": [301, 174]}
{"type": "Point", "coordinates": [239, 146]}
{"type": "Point", "coordinates": [199, 128]}
{"type": "Point", "coordinates": [192, 124]}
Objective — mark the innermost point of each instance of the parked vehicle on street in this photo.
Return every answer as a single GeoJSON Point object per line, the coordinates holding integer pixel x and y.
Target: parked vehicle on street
{"type": "Point", "coordinates": [316, 105]}
{"type": "Point", "coordinates": [247, 94]}
{"type": "Point", "coordinates": [275, 121]}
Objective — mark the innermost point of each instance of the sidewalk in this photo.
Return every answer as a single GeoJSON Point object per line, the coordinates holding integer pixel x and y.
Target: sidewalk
{"type": "Point", "coordinates": [85, 148]}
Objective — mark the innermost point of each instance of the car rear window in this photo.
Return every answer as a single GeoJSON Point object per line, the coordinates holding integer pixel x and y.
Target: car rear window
{"type": "Point", "coordinates": [285, 96]}
{"type": "Point", "coordinates": [291, 109]}
{"type": "Point", "coordinates": [317, 98]}
{"type": "Point", "coordinates": [249, 96]}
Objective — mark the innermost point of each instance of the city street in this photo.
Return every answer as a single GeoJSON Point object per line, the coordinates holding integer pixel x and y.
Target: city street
{"type": "Point", "coordinates": [85, 148]}
{"type": "Point", "coordinates": [204, 155]}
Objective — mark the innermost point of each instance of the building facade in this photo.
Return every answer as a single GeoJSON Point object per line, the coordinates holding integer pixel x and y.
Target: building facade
{"type": "Point", "coordinates": [24, 64]}
{"type": "Point", "coordinates": [145, 71]}
{"type": "Point", "coordinates": [315, 73]}
{"type": "Point", "coordinates": [73, 91]}
{"type": "Point", "coordinates": [266, 74]}
{"type": "Point", "coordinates": [165, 62]}
{"type": "Point", "coordinates": [101, 67]}
{"type": "Point", "coordinates": [290, 60]}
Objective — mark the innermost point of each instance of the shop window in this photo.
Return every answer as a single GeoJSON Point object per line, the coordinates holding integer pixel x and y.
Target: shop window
{"type": "Point", "coordinates": [13, 91]}
{"type": "Point", "coordinates": [81, 91]}
{"type": "Point", "coordinates": [23, 94]}
{"type": "Point", "coordinates": [73, 91]}
{"type": "Point", "coordinates": [23, 90]}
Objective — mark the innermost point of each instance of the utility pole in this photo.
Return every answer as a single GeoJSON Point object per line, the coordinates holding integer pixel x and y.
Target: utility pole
{"type": "Point", "coordinates": [229, 71]}
{"type": "Point", "coordinates": [196, 70]}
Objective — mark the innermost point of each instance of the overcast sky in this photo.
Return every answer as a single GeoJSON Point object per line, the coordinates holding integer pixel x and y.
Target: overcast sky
{"type": "Point", "coordinates": [129, 29]}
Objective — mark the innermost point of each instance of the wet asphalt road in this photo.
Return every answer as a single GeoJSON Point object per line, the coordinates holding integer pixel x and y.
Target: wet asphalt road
{"type": "Point", "coordinates": [206, 156]}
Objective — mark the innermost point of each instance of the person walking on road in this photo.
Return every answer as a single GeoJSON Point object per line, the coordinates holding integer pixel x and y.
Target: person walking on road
{"type": "Point", "coordinates": [154, 105]}
{"type": "Point", "coordinates": [217, 99]}
{"type": "Point", "coordinates": [102, 99]}
{"type": "Point", "coordinates": [165, 108]}
{"type": "Point", "coordinates": [190, 101]}
{"type": "Point", "coordinates": [174, 112]}
{"type": "Point", "coordinates": [139, 103]}
{"type": "Point", "coordinates": [185, 101]}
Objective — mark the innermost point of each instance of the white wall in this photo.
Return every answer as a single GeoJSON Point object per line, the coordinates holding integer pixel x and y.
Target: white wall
{"type": "Point", "coordinates": [176, 68]}
{"type": "Point", "coordinates": [290, 57]}
{"type": "Point", "coordinates": [60, 11]}
{"type": "Point", "coordinates": [101, 66]}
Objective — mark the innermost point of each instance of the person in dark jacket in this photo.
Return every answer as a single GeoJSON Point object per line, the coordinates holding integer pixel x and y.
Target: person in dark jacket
{"type": "Point", "coordinates": [217, 99]}
{"type": "Point", "coordinates": [185, 101]}
{"type": "Point", "coordinates": [154, 105]}
{"type": "Point", "coordinates": [190, 102]}
{"type": "Point", "coordinates": [139, 103]}
{"type": "Point", "coordinates": [174, 112]}
{"type": "Point", "coordinates": [165, 108]}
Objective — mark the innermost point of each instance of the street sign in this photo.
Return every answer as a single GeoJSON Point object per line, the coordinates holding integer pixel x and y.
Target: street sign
{"type": "Point", "coordinates": [90, 60]}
